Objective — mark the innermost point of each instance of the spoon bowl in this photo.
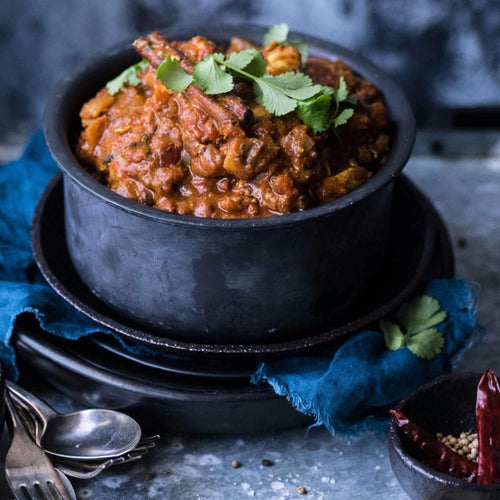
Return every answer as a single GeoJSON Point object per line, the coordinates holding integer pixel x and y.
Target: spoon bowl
{"type": "Point", "coordinates": [84, 435]}
{"type": "Point", "coordinates": [90, 433]}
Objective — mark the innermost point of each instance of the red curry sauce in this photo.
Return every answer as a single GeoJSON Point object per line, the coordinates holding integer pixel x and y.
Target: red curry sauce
{"type": "Point", "coordinates": [226, 156]}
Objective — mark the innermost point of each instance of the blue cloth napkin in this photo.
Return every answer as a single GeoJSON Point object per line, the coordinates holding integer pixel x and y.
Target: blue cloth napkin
{"type": "Point", "coordinates": [347, 390]}
{"type": "Point", "coordinates": [22, 287]}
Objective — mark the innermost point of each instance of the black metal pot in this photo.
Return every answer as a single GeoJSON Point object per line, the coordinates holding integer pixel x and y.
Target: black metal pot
{"type": "Point", "coordinates": [224, 281]}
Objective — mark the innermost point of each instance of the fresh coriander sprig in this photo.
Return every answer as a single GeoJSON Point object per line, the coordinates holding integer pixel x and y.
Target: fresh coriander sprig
{"type": "Point", "coordinates": [279, 34]}
{"type": "Point", "coordinates": [414, 328]}
{"type": "Point", "coordinates": [318, 106]}
{"type": "Point", "coordinates": [170, 73]}
{"type": "Point", "coordinates": [278, 94]}
{"type": "Point", "coordinates": [126, 77]}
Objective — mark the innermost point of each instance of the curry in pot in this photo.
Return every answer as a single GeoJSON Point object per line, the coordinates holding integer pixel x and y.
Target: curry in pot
{"type": "Point", "coordinates": [226, 155]}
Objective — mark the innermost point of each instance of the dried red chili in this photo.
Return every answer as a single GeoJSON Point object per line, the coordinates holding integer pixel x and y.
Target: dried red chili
{"type": "Point", "coordinates": [434, 452]}
{"type": "Point", "coordinates": [488, 428]}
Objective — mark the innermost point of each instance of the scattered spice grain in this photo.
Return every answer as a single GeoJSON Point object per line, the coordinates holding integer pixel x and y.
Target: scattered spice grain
{"type": "Point", "coordinates": [148, 476]}
{"type": "Point", "coordinates": [267, 463]}
{"type": "Point", "coordinates": [235, 464]}
{"type": "Point", "coordinates": [302, 490]}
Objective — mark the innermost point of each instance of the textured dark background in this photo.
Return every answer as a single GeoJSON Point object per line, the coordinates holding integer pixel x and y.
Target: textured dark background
{"type": "Point", "coordinates": [445, 53]}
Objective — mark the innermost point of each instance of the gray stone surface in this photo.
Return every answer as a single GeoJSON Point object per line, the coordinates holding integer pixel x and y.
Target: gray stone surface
{"type": "Point", "coordinates": [466, 190]}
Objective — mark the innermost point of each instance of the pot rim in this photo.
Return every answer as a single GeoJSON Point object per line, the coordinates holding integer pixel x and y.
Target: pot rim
{"type": "Point", "coordinates": [56, 120]}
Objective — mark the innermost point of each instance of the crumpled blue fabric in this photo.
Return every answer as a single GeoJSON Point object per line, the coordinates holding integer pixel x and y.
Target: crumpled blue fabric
{"type": "Point", "coordinates": [347, 390]}
{"type": "Point", "coordinates": [22, 288]}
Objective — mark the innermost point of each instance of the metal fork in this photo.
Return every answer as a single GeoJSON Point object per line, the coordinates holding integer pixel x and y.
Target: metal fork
{"type": "Point", "coordinates": [86, 471]}
{"type": "Point", "coordinates": [29, 471]}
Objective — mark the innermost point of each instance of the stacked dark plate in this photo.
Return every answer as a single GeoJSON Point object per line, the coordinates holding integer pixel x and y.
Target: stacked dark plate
{"type": "Point", "coordinates": [262, 288]}
{"type": "Point", "coordinates": [206, 387]}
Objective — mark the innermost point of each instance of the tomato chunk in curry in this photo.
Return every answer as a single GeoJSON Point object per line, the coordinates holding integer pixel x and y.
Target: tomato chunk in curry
{"type": "Point", "coordinates": [226, 156]}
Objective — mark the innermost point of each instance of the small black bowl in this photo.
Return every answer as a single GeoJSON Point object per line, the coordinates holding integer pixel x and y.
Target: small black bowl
{"type": "Point", "coordinates": [447, 405]}
{"type": "Point", "coordinates": [260, 280]}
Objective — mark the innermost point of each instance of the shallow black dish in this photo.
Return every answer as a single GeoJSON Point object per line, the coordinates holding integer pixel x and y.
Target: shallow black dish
{"type": "Point", "coordinates": [446, 405]}
{"type": "Point", "coordinates": [157, 398]}
{"type": "Point", "coordinates": [411, 257]}
{"type": "Point", "coordinates": [215, 281]}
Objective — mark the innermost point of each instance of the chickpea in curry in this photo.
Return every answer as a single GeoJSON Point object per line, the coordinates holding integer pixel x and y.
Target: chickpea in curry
{"type": "Point", "coordinates": [226, 156]}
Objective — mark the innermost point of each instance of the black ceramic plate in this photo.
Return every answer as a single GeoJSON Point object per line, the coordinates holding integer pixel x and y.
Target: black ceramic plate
{"type": "Point", "coordinates": [158, 399]}
{"type": "Point", "coordinates": [201, 366]}
{"type": "Point", "coordinates": [202, 394]}
{"type": "Point", "coordinates": [415, 224]}
{"type": "Point", "coordinates": [227, 366]}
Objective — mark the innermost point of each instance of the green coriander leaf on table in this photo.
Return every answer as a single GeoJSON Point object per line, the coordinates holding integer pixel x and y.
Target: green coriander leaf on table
{"type": "Point", "coordinates": [426, 344]}
{"type": "Point", "coordinates": [171, 74]}
{"type": "Point", "coordinates": [420, 313]}
{"type": "Point", "coordinates": [394, 337]}
{"type": "Point", "coordinates": [210, 77]}
{"type": "Point", "coordinates": [415, 318]}
{"type": "Point", "coordinates": [126, 77]}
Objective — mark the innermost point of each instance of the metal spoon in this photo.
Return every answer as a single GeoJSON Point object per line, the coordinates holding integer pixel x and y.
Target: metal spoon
{"type": "Point", "coordinates": [83, 435]}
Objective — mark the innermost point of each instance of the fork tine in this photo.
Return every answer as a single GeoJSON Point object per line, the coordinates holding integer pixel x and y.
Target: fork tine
{"type": "Point", "coordinates": [54, 493]}
{"type": "Point", "coordinates": [27, 467]}
{"type": "Point", "coordinates": [155, 437]}
{"type": "Point", "coordinates": [38, 489]}
{"type": "Point", "coordinates": [24, 492]}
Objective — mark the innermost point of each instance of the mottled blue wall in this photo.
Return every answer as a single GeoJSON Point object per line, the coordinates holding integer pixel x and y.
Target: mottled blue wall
{"type": "Point", "coordinates": [445, 53]}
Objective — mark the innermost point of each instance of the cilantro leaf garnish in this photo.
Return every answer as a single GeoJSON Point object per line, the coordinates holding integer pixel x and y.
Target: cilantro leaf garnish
{"type": "Point", "coordinates": [341, 93]}
{"type": "Point", "coordinates": [210, 77]}
{"type": "Point", "coordinates": [318, 106]}
{"type": "Point", "coordinates": [171, 74]}
{"type": "Point", "coordinates": [126, 77]}
{"type": "Point", "coordinates": [314, 112]}
{"type": "Point", "coordinates": [279, 34]}
{"type": "Point", "coordinates": [250, 60]}
{"type": "Point", "coordinates": [301, 46]}
{"type": "Point", "coordinates": [416, 319]}
{"type": "Point", "coordinates": [342, 117]}
{"type": "Point", "coordinates": [295, 85]}
{"type": "Point", "coordinates": [273, 98]}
